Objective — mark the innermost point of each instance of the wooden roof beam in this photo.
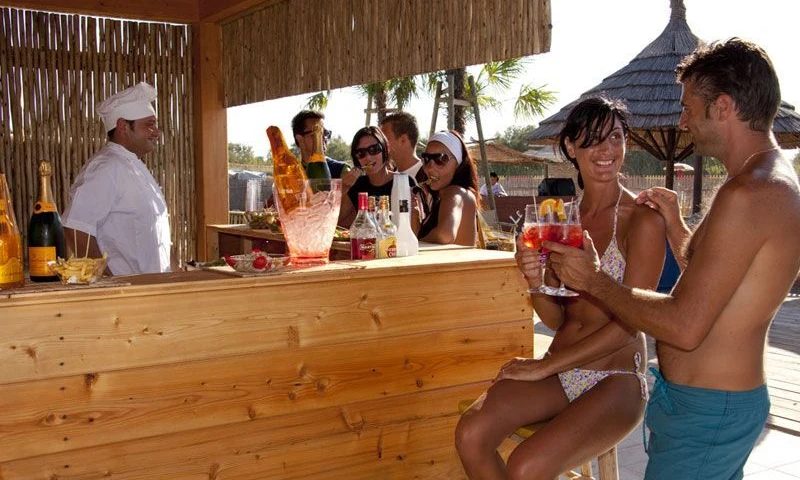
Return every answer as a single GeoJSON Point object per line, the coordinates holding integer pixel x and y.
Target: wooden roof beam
{"type": "Point", "coordinates": [173, 11]}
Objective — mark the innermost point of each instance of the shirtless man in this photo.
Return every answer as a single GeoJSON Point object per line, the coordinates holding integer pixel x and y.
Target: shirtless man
{"type": "Point", "coordinates": [710, 402]}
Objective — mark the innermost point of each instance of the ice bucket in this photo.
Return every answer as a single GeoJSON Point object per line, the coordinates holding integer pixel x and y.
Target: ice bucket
{"type": "Point", "coordinates": [308, 218]}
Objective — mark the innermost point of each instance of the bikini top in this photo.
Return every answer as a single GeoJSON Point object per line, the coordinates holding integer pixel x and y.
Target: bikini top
{"type": "Point", "coordinates": [613, 262]}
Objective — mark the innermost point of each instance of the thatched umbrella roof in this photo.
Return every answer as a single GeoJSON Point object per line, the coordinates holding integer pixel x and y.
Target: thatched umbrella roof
{"type": "Point", "coordinates": [648, 87]}
{"type": "Point", "coordinates": [501, 154]}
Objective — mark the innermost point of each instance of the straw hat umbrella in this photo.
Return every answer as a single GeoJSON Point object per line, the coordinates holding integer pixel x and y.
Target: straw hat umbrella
{"type": "Point", "coordinates": [648, 86]}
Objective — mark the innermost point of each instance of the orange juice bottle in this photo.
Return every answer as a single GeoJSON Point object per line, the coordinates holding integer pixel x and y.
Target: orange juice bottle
{"type": "Point", "coordinates": [287, 171]}
{"type": "Point", "coordinates": [11, 273]}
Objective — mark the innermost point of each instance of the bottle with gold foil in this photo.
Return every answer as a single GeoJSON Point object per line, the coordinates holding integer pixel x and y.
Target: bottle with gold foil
{"type": "Point", "coordinates": [287, 171]}
{"type": "Point", "coordinates": [317, 166]}
{"type": "Point", "coordinates": [11, 273]}
{"type": "Point", "coordinates": [45, 233]}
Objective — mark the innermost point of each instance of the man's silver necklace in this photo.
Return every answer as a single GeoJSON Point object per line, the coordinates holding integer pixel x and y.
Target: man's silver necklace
{"type": "Point", "coordinates": [741, 169]}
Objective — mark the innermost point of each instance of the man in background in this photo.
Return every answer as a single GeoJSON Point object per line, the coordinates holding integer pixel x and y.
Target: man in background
{"type": "Point", "coordinates": [497, 189]}
{"type": "Point", "coordinates": [115, 203]}
{"type": "Point", "coordinates": [303, 128]}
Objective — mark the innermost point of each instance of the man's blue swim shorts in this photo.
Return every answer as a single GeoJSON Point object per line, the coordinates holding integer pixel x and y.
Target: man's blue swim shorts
{"type": "Point", "coordinates": [698, 433]}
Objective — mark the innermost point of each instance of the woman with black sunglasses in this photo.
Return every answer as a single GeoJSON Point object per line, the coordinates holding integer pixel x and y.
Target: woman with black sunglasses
{"type": "Point", "coordinates": [453, 182]}
{"type": "Point", "coordinates": [373, 173]}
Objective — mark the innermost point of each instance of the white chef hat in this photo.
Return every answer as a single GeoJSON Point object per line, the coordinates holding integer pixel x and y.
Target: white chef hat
{"type": "Point", "coordinates": [451, 142]}
{"type": "Point", "coordinates": [130, 104]}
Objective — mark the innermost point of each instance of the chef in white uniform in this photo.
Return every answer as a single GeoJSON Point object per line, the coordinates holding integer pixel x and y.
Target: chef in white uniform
{"type": "Point", "coordinates": [116, 204]}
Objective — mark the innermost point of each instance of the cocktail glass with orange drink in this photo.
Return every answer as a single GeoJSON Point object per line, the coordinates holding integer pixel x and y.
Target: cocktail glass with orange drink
{"type": "Point", "coordinates": [555, 221]}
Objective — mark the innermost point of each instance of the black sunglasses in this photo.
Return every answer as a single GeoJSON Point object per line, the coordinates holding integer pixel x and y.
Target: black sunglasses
{"type": "Point", "coordinates": [326, 134]}
{"type": "Point", "coordinates": [373, 149]}
{"type": "Point", "coordinates": [441, 159]}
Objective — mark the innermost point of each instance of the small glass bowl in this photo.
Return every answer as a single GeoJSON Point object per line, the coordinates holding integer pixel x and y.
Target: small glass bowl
{"type": "Point", "coordinates": [263, 220]}
{"type": "Point", "coordinates": [258, 262]}
{"type": "Point", "coordinates": [83, 271]}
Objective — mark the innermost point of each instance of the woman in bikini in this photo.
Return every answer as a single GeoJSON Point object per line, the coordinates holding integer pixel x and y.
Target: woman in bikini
{"type": "Point", "coordinates": [591, 383]}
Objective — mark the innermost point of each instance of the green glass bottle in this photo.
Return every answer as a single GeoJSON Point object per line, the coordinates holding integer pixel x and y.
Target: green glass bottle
{"type": "Point", "coordinates": [45, 232]}
{"type": "Point", "coordinates": [317, 166]}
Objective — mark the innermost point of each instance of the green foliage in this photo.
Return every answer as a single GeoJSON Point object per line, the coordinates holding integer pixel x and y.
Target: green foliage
{"type": "Point", "coordinates": [338, 149]}
{"type": "Point", "coordinates": [240, 154]}
{"type": "Point", "coordinates": [639, 162]}
{"type": "Point", "coordinates": [516, 137]}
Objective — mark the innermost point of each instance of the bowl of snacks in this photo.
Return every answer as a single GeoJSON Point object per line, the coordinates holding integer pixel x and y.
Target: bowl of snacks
{"type": "Point", "coordinates": [257, 262]}
{"type": "Point", "coordinates": [266, 219]}
{"type": "Point", "coordinates": [83, 270]}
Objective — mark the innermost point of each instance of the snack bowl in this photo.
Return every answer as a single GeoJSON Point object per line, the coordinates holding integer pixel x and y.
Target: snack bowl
{"type": "Point", "coordinates": [266, 219]}
{"type": "Point", "coordinates": [82, 270]}
{"type": "Point", "coordinates": [257, 262]}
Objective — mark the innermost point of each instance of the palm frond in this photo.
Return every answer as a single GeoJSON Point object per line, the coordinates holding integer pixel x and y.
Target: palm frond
{"type": "Point", "coordinates": [532, 101]}
{"type": "Point", "coordinates": [502, 74]}
{"type": "Point", "coordinates": [318, 101]}
{"type": "Point", "coordinates": [403, 89]}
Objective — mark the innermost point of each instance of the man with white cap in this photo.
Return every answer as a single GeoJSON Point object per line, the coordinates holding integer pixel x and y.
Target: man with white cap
{"type": "Point", "coordinates": [116, 205]}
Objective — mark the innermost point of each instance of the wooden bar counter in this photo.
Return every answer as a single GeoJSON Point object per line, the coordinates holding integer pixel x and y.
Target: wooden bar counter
{"type": "Point", "coordinates": [349, 371]}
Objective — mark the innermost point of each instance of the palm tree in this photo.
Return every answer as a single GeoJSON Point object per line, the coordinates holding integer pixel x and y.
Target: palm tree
{"type": "Point", "coordinates": [492, 77]}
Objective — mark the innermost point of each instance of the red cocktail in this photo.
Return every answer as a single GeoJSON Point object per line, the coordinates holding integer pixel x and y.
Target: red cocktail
{"type": "Point", "coordinates": [572, 236]}
{"type": "Point", "coordinates": [532, 237]}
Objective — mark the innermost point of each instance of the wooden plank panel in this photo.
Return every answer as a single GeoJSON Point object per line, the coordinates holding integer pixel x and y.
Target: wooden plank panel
{"type": "Point", "coordinates": [42, 340]}
{"type": "Point", "coordinates": [104, 407]}
{"type": "Point", "coordinates": [414, 434]}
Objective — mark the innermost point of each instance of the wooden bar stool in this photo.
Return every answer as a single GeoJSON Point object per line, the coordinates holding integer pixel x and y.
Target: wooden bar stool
{"type": "Point", "coordinates": [606, 462]}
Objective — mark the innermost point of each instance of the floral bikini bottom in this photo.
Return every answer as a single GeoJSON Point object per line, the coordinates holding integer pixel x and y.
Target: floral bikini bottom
{"type": "Point", "coordinates": [576, 381]}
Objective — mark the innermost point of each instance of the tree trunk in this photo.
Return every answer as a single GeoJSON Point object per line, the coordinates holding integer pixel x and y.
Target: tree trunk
{"type": "Point", "coordinates": [380, 101]}
{"type": "Point", "coordinates": [460, 112]}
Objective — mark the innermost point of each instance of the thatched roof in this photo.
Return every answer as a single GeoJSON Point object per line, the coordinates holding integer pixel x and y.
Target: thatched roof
{"type": "Point", "coordinates": [648, 87]}
{"type": "Point", "coordinates": [501, 154]}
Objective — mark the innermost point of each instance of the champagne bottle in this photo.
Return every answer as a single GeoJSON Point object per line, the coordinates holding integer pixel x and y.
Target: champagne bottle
{"type": "Point", "coordinates": [387, 245]}
{"type": "Point", "coordinates": [288, 173]}
{"type": "Point", "coordinates": [45, 233]}
{"type": "Point", "coordinates": [317, 166]}
{"type": "Point", "coordinates": [363, 232]}
{"type": "Point", "coordinates": [11, 273]}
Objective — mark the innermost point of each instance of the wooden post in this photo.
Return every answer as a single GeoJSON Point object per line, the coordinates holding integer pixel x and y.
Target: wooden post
{"type": "Point", "coordinates": [211, 132]}
{"type": "Point", "coordinates": [669, 175]}
{"type": "Point", "coordinates": [697, 197]}
{"type": "Point", "coordinates": [482, 144]}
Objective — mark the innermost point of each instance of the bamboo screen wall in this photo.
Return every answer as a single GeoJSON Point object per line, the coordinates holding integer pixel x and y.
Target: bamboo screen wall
{"type": "Point", "coordinates": [299, 46]}
{"type": "Point", "coordinates": [55, 68]}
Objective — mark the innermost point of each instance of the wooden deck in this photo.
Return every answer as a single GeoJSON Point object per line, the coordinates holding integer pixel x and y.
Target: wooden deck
{"type": "Point", "coordinates": [782, 364]}
{"type": "Point", "coordinates": [783, 368]}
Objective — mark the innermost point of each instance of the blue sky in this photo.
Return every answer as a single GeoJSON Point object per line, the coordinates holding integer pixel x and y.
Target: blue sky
{"type": "Point", "coordinates": [591, 40]}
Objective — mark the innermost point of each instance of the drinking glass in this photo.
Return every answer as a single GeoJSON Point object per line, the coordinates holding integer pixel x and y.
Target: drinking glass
{"type": "Point", "coordinates": [532, 238]}
{"type": "Point", "coordinates": [308, 217]}
{"type": "Point", "coordinates": [566, 232]}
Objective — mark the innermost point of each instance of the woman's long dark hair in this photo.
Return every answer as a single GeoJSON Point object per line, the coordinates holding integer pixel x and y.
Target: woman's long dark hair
{"type": "Point", "coordinates": [595, 117]}
{"type": "Point", "coordinates": [466, 174]}
{"type": "Point", "coordinates": [375, 133]}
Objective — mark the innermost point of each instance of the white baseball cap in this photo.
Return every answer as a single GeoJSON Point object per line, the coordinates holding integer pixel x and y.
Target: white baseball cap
{"type": "Point", "coordinates": [130, 104]}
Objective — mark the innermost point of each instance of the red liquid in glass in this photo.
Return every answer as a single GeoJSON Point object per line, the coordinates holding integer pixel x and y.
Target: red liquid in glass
{"type": "Point", "coordinates": [531, 237]}
{"type": "Point", "coordinates": [573, 236]}
{"type": "Point", "coordinates": [551, 233]}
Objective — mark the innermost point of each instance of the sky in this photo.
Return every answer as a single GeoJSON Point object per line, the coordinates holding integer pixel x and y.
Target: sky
{"type": "Point", "coordinates": [590, 41]}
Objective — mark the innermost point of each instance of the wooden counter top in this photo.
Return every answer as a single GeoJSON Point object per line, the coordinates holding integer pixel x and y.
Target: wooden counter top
{"type": "Point", "coordinates": [352, 370]}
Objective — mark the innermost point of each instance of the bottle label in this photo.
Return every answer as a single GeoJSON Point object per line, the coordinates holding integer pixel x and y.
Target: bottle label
{"type": "Point", "coordinates": [42, 207]}
{"type": "Point", "coordinates": [404, 206]}
{"type": "Point", "coordinates": [38, 258]}
{"type": "Point", "coordinates": [387, 248]}
{"type": "Point", "coordinates": [11, 272]}
{"type": "Point", "coordinates": [363, 248]}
